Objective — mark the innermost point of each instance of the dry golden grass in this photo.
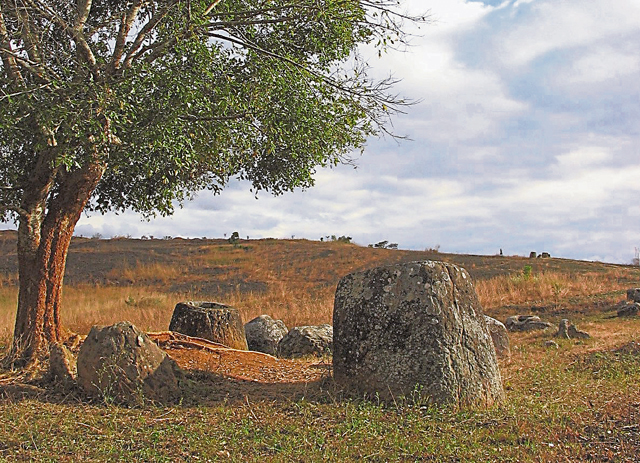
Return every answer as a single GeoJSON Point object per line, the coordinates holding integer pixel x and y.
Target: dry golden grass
{"type": "Point", "coordinates": [146, 308]}
{"type": "Point", "coordinates": [8, 303]}
{"type": "Point", "coordinates": [293, 305]}
{"type": "Point", "coordinates": [547, 287]}
{"type": "Point", "coordinates": [151, 309]}
{"type": "Point", "coordinates": [293, 280]}
{"type": "Point", "coordinates": [156, 272]}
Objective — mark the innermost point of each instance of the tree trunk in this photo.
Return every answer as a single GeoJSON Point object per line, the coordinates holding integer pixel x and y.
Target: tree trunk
{"type": "Point", "coordinates": [43, 243]}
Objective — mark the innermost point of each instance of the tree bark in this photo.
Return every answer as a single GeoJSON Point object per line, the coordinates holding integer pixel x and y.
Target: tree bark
{"type": "Point", "coordinates": [44, 237]}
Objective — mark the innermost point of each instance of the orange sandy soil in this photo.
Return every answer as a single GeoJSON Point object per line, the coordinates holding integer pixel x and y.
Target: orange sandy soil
{"type": "Point", "coordinates": [220, 373]}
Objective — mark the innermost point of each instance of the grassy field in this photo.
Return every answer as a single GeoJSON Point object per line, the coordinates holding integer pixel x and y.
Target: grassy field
{"type": "Point", "coordinates": [580, 402]}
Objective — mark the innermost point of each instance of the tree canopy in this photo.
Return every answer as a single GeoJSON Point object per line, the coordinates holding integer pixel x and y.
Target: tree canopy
{"type": "Point", "coordinates": [139, 104]}
{"type": "Point", "coordinates": [175, 96]}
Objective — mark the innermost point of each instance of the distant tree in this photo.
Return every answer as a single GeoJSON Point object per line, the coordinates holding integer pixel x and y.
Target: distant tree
{"type": "Point", "coordinates": [340, 239]}
{"type": "Point", "coordinates": [139, 104]}
{"type": "Point", "coordinates": [234, 238]}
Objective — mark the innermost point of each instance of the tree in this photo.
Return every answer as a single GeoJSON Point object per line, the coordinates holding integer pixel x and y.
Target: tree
{"type": "Point", "coordinates": [140, 104]}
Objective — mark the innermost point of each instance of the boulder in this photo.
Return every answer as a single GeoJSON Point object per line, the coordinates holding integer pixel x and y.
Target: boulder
{"type": "Point", "coordinates": [526, 323]}
{"type": "Point", "coordinates": [414, 327]}
{"type": "Point", "coordinates": [264, 333]}
{"type": "Point", "coordinates": [499, 336]}
{"type": "Point", "coordinates": [633, 295]}
{"type": "Point", "coordinates": [62, 364]}
{"type": "Point", "coordinates": [567, 330]}
{"type": "Point", "coordinates": [629, 310]}
{"type": "Point", "coordinates": [120, 363]}
{"type": "Point", "coordinates": [551, 344]}
{"type": "Point", "coordinates": [210, 320]}
{"type": "Point", "coordinates": [306, 340]}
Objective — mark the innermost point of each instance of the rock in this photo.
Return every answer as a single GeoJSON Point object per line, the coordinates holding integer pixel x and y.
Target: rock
{"type": "Point", "coordinates": [631, 348]}
{"type": "Point", "coordinates": [629, 310]}
{"type": "Point", "coordinates": [551, 344]}
{"type": "Point", "coordinates": [264, 333]}
{"type": "Point", "coordinates": [306, 340]}
{"type": "Point", "coordinates": [62, 364]}
{"type": "Point", "coordinates": [567, 330]}
{"type": "Point", "coordinates": [633, 294]}
{"type": "Point", "coordinates": [526, 323]}
{"type": "Point", "coordinates": [414, 327]}
{"type": "Point", "coordinates": [563, 329]}
{"type": "Point", "coordinates": [120, 363]}
{"type": "Point", "coordinates": [210, 320]}
{"type": "Point", "coordinates": [575, 333]}
{"type": "Point", "coordinates": [499, 336]}
{"type": "Point", "coordinates": [533, 255]}
{"type": "Point", "coordinates": [545, 255]}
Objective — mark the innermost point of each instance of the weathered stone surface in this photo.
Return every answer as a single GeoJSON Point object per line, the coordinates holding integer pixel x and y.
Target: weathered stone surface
{"type": "Point", "coordinates": [551, 344]}
{"type": "Point", "coordinates": [62, 364]}
{"type": "Point", "coordinates": [563, 329]}
{"type": "Point", "coordinates": [412, 326]}
{"type": "Point", "coordinates": [575, 333]}
{"type": "Point", "coordinates": [629, 310]}
{"type": "Point", "coordinates": [567, 330]}
{"type": "Point", "coordinates": [633, 294]}
{"type": "Point", "coordinates": [499, 336]}
{"type": "Point", "coordinates": [526, 323]}
{"type": "Point", "coordinates": [120, 363]}
{"type": "Point", "coordinates": [306, 340]}
{"type": "Point", "coordinates": [210, 320]}
{"type": "Point", "coordinates": [264, 333]}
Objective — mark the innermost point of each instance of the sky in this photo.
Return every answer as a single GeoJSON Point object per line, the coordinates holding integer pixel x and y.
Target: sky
{"type": "Point", "coordinates": [525, 138]}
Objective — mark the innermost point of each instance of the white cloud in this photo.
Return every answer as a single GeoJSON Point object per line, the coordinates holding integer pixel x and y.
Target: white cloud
{"type": "Point", "coordinates": [517, 3]}
{"type": "Point", "coordinates": [582, 159]}
{"type": "Point", "coordinates": [600, 65]}
{"type": "Point", "coordinates": [560, 25]}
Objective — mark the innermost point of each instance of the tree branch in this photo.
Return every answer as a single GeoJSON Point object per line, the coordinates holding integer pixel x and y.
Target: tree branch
{"type": "Point", "coordinates": [14, 209]}
{"type": "Point", "coordinates": [144, 32]}
{"type": "Point", "coordinates": [193, 117]}
{"type": "Point", "coordinates": [32, 67]}
{"type": "Point", "coordinates": [84, 8]}
{"type": "Point", "coordinates": [157, 49]}
{"type": "Point", "coordinates": [211, 7]}
{"type": "Point", "coordinates": [6, 96]}
{"type": "Point", "coordinates": [304, 69]}
{"type": "Point", "coordinates": [75, 33]}
{"type": "Point", "coordinates": [125, 27]}
{"type": "Point", "coordinates": [8, 59]}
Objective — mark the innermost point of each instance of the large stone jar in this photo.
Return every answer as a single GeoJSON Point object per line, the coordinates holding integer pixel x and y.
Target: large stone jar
{"type": "Point", "coordinates": [414, 328]}
{"type": "Point", "coordinates": [210, 320]}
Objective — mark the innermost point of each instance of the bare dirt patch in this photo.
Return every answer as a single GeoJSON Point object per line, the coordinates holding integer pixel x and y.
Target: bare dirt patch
{"type": "Point", "coordinates": [218, 373]}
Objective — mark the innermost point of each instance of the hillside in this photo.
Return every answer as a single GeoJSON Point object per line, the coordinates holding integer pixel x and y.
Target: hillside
{"type": "Point", "coordinates": [577, 401]}
{"type": "Point", "coordinates": [142, 279]}
{"type": "Point", "coordinates": [215, 265]}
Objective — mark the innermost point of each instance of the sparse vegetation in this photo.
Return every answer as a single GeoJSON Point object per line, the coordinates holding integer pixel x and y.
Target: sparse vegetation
{"type": "Point", "coordinates": [339, 239]}
{"type": "Point", "coordinates": [577, 403]}
{"type": "Point", "coordinates": [384, 245]}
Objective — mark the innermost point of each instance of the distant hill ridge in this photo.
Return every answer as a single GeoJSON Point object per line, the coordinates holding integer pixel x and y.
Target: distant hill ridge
{"type": "Point", "coordinates": [249, 265]}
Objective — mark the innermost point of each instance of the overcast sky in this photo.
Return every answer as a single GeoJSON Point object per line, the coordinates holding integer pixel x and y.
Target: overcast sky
{"type": "Point", "coordinates": [526, 139]}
